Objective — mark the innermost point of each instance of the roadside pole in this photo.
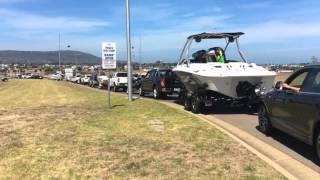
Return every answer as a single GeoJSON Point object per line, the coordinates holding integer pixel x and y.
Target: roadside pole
{"type": "Point", "coordinates": [59, 53]}
{"type": "Point", "coordinates": [109, 62]}
{"type": "Point", "coordinates": [129, 50]}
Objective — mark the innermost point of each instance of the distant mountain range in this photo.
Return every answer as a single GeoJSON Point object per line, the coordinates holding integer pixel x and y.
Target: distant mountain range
{"type": "Point", "coordinates": [47, 57]}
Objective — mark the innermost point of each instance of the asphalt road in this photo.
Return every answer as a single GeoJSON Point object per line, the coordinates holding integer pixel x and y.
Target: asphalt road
{"type": "Point", "coordinates": [247, 120]}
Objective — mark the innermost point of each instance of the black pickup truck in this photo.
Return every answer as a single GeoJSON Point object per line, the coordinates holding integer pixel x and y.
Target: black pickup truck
{"type": "Point", "coordinates": [160, 82]}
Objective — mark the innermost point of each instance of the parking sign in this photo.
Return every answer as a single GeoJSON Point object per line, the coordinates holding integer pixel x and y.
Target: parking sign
{"type": "Point", "coordinates": [109, 55]}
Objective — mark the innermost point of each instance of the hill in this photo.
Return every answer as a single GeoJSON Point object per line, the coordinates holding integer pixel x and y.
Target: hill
{"type": "Point", "coordinates": [47, 57]}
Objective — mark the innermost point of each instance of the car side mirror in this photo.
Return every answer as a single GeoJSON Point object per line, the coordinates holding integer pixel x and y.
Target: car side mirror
{"type": "Point", "coordinates": [279, 85]}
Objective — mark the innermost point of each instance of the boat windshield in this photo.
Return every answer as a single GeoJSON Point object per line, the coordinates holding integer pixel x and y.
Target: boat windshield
{"type": "Point", "coordinates": [207, 50]}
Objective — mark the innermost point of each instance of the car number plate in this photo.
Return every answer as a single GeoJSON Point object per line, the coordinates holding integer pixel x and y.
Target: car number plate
{"type": "Point", "coordinates": [208, 103]}
{"type": "Point", "coordinates": [176, 89]}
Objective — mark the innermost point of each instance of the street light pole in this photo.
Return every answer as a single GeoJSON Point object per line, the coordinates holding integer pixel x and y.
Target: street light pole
{"type": "Point", "coordinates": [59, 53]}
{"type": "Point", "coordinates": [129, 49]}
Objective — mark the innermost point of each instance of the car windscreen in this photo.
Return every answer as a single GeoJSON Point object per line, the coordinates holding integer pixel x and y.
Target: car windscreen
{"type": "Point", "coordinates": [122, 75]}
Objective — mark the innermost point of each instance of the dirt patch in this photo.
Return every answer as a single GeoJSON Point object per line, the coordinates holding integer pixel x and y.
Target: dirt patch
{"type": "Point", "coordinates": [157, 125]}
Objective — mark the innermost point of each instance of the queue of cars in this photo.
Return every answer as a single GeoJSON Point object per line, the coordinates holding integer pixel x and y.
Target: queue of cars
{"type": "Point", "coordinates": [158, 82]}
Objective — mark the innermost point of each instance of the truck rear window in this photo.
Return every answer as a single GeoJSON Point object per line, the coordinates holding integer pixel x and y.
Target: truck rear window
{"type": "Point", "coordinates": [167, 73]}
{"type": "Point", "coordinates": [122, 75]}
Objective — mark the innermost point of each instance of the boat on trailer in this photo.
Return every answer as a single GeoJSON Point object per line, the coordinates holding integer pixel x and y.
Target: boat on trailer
{"type": "Point", "coordinates": [207, 81]}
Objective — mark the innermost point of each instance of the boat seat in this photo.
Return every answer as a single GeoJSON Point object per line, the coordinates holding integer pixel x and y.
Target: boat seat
{"type": "Point", "coordinates": [200, 56]}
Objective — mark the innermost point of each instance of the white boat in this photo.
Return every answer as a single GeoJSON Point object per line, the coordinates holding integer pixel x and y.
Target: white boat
{"type": "Point", "coordinates": [204, 78]}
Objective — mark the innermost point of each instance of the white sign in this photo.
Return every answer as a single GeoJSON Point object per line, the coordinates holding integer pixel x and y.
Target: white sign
{"type": "Point", "coordinates": [109, 55]}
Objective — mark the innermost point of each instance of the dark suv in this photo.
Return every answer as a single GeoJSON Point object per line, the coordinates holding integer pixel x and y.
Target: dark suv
{"type": "Point", "coordinates": [160, 82]}
{"type": "Point", "coordinates": [295, 112]}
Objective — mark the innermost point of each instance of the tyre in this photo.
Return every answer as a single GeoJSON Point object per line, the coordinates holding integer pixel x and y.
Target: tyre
{"type": "Point", "coordinates": [264, 121]}
{"type": "Point", "coordinates": [196, 104]}
{"type": "Point", "coordinates": [164, 95]}
{"type": "Point", "coordinates": [156, 93]}
{"type": "Point", "coordinates": [125, 90]}
{"type": "Point", "coordinates": [187, 104]}
{"type": "Point", "coordinates": [317, 145]}
{"type": "Point", "coordinates": [141, 93]}
{"type": "Point", "coordinates": [114, 88]}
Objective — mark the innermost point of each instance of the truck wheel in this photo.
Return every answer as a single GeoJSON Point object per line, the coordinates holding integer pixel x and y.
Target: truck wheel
{"type": "Point", "coordinates": [156, 93]}
{"type": "Point", "coordinates": [264, 121]}
{"type": "Point", "coordinates": [125, 90]}
{"type": "Point", "coordinates": [141, 93]}
{"type": "Point", "coordinates": [196, 104]}
{"type": "Point", "coordinates": [187, 104]}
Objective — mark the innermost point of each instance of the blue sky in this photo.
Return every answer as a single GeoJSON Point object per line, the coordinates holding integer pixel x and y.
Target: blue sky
{"type": "Point", "coordinates": [277, 31]}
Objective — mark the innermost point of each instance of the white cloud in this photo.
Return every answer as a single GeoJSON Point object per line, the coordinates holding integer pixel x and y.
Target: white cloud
{"type": "Point", "coordinates": [154, 13]}
{"type": "Point", "coordinates": [173, 38]}
{"type": "Point", "coordinates": [31, 23]}
{"type": "Point", "coordinates": [275, 31]}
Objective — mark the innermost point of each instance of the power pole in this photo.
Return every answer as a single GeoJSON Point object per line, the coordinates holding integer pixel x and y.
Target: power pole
{"type": "Point", "coordinates": [140, 46]}
{"type": "Point", "coordinates": [129, 50]}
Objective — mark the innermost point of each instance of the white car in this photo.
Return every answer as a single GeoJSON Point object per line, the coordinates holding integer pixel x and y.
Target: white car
{"type": "Point", "coordinates": [76, 79]}
{"type": "Point", "coordinates": [26, 76]}
{"type": "Point", "coordinates": [85, 79]}
{"type": "Point", "coordinates": [103, 81]}
{"type": "Point", "coordinates": [119, 80]}
{"type": "Point", "coordinates": [57, 77]}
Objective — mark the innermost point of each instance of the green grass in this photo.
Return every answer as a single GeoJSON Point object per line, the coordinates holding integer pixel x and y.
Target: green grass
{"type": "Point", "coordinates": [56, 130]}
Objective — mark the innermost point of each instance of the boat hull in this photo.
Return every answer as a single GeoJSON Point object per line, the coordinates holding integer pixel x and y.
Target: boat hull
{"type": "Point", "coordinates": [226, 85]}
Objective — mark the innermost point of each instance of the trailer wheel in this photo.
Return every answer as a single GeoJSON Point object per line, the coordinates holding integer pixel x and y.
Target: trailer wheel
{"type": "Point", "coordinates": [187, 103]}
{"type": "Point", "coordinates": [196, 104]}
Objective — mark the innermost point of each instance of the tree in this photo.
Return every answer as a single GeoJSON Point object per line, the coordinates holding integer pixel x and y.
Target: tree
{"type": "Point", "coordinates": [314, 60]}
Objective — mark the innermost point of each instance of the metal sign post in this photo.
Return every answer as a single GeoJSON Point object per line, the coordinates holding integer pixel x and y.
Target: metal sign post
{"type": "Point", "coordinates": [109, 95]}
{"type": "Point", "coordinates": [109, 62]}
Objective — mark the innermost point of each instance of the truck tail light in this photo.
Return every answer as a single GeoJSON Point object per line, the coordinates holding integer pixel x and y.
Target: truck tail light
{"type": "Point", "coordinates": [162, 82]}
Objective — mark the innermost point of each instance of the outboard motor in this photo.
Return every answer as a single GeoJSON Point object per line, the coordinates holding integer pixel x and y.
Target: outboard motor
{"type": "Point", "coordinates": [245, 89]}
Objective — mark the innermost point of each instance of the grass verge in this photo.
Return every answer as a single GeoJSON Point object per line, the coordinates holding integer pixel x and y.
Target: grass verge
{"type": "Point", "coordinates": [56, 130]}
